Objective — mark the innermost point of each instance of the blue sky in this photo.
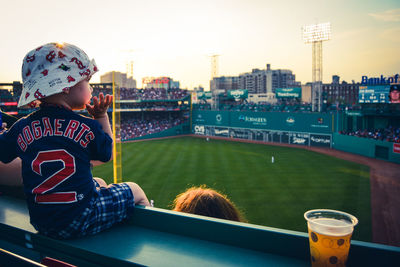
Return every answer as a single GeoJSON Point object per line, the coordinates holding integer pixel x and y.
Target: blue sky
{"type": "Point", "coordinates": [174, 38]}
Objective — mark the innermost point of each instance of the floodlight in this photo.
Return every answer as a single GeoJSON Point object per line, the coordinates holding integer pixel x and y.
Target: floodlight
{"type": "Point", "coordinates": [317, 32]}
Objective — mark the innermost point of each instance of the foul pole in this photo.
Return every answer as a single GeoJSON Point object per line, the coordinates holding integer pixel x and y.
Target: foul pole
{"type": "Point", "coordinates": [116, 129]}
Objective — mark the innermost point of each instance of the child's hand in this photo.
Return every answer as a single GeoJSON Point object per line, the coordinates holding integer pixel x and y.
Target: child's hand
{"type": "Point", "coordinates": [100, 106]}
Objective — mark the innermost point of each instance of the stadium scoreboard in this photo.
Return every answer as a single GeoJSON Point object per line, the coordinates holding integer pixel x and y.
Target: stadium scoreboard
{"type": "Point", "coordinates": [374, 94]}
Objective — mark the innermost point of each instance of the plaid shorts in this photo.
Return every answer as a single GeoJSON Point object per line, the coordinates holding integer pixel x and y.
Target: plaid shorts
{"type": "Point", "coordinates": [110, 206]}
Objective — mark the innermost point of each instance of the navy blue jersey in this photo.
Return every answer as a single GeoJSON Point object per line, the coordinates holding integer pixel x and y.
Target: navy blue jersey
{"type": "Point", "coordinates": [56, 146]}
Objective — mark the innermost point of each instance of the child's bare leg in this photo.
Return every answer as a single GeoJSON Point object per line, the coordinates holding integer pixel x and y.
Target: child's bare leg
{"type": "Point", "coordinates": [139, 195]}
{"type": "Point", "coordinates": [100, 181]}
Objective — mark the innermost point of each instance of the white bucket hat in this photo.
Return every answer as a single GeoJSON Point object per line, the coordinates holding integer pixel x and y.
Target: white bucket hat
{"type": "Point", "coordinates": [52, 68]}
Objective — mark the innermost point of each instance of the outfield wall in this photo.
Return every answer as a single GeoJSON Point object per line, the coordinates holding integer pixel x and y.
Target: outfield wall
{"type": "Point", "coordinates": [310, 129]}
{"type": "Point", "coordinates": [367, 147]}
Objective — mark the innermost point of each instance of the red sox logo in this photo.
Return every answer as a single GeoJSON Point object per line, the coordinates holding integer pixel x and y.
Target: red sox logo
{"type": "Point", "coordinates": [38, 95]}
{"type": "Point", "coordinates": [70, 78]}
{"type": "Point", "coordinates": [60, 54]}
{"type": "Point", "coordinates": [86, 72]}
{"type": "Point", "coordinates": [45, 72]}
{"type": "Point", "coordinates": [30, 58]}
{"type": "Point", "coordinates": [78, 62]}
{"type": "Point", "coordinates": [26, 95]}
{"type": "Point", "coordinates": [50, 56]}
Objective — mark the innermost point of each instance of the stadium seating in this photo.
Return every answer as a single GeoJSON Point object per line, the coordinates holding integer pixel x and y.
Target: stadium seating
{"type": "Point", "coordinates": [389, 134]}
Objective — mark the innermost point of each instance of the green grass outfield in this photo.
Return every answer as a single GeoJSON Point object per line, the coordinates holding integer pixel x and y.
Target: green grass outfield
{"type": "Point", "coordinates": [271, 194]}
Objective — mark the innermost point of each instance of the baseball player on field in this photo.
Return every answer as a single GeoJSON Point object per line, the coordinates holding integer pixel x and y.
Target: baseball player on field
{"type": "Point", "coordinates": [56, 146]}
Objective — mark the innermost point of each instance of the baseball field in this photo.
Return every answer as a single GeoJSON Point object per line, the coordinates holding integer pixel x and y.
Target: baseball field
{"type": "Point", "coordinates": [274, 194]}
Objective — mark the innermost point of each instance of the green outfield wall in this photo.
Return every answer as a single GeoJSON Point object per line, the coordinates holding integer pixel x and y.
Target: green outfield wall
{"type": "Point", "coordinates": [367, 147]}
{"type": "Point", "coordinates": [309, 129]}
{"type": "Point", "coordinates": [282, 121]}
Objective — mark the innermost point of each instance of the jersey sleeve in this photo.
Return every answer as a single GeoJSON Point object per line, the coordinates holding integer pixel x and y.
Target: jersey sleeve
{"type": "Point", "coordinates": [100, 147]}
{"type": "Point", "coordinates": [7, 147]}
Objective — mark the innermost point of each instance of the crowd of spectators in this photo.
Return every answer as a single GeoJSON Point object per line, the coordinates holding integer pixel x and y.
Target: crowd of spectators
{"type": "Point", "coordinates": [276, 107]}
{"type": "Point", "coordinates": [177, 93]}
{"type": "Point", "coordinates": [139, 124]}
{"type": "Point", "coordinates": [155, 106]}
{"type": "Point", "coordinates": [389, 134]}
{"type": "Point", "coordinates": [145, 94]}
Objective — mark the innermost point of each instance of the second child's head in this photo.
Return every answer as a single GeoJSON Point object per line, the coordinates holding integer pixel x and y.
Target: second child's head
{"type": "Point", "coordinates": [57, 74]}
{"type": "Point", "coordinates": [207, 202]}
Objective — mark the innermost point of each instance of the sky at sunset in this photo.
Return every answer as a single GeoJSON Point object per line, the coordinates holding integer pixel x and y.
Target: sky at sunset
{"type": "Point", "coordinates": [175, 38]}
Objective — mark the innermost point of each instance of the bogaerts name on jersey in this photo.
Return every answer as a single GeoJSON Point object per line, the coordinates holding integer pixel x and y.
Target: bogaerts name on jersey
{"type": "Point", "coordinates": [72, 129]}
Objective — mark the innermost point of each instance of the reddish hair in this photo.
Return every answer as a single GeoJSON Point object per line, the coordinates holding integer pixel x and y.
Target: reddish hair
{"type": "Point", "coordinates": [207, 202]}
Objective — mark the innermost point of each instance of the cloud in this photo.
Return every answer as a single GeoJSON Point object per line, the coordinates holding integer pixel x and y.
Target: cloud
{"type": "Point", "coordinates": [392, 15]}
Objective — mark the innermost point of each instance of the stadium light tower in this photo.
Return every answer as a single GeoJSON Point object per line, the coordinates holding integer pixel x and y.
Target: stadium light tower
{"type": "Point", "coordinates": [214, 74]}
{"type": "Point", "coordinates": [316, 34]}
{"type": "Point", "coordinates": [214, 66]}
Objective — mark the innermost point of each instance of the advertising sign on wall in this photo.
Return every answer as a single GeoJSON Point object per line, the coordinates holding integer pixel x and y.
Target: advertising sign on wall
{"type": "Point", "coordinates": [204, 95]}
{"type": "Point", "coordinates": [294, 92]}
{"type": "Point", "coordinates": [219, 131]}
{"type": "Point", "coordinates": [238, 94]}
{"type": "Point", "coordinates": [320, 140]}
{"type": "Point", "coordinates": [299, 138]}
{"type": "Point", "coordinates": [199, 129]}
{"type": "Point", "coordinates": [239, 133]}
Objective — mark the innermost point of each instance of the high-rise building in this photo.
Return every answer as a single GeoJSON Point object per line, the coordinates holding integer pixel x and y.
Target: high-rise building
{"type": "Point", "coordinates": [257, 82]}
{"type": "Point", "coordinates": [120, 79]}
{"type": "Point", "coordinates": [225, 83]}
{"type": "Point", "coordinates": [283, 79]}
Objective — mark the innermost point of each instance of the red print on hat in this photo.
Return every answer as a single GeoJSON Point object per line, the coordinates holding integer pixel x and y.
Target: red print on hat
{"type": "Point", "coordinates": [30, 58]}
{"type": "Point", "coordinates": [40, 47]}
{"type": "Point", "coordinates": [38, 95]}
{"type": "Point", "coordinates": [95, 68]}
{"type": "Point", "coordinates": [50, 56]}
{"type": "Point", "coordinates": [28, 73]}
{"type": "Point", "coordinates": [78, 62]}
{"type": "Point", "coordinates": [86, 72]}
{"type": "Point", "coordinates": [26, 95]}
{"type": "Point", "coordinates": [60, 54]}
{"type": "Point", "coordinates": [70, 79]}
{"type": "Point", "coordinates": [45, 72]}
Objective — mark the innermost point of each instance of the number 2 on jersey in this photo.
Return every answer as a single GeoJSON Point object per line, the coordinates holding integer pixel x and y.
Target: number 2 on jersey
{"type": "Point", "coordinates": [68, 169]}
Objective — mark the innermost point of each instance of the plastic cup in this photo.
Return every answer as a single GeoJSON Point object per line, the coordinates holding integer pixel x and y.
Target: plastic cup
{"type": "Point", "coordinates": [329, 234]}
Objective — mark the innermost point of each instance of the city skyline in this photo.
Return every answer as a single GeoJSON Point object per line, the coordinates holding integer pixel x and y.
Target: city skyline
{"type": "Point", "coordinates": [175, 38]}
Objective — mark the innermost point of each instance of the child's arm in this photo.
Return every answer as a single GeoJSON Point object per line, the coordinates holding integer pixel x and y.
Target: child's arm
{"type": "Point", "coordinates": [99, 111]}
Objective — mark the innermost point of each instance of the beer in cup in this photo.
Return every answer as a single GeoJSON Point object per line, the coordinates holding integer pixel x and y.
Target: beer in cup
{"type": "Point", "coordinates": [329, 234]}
